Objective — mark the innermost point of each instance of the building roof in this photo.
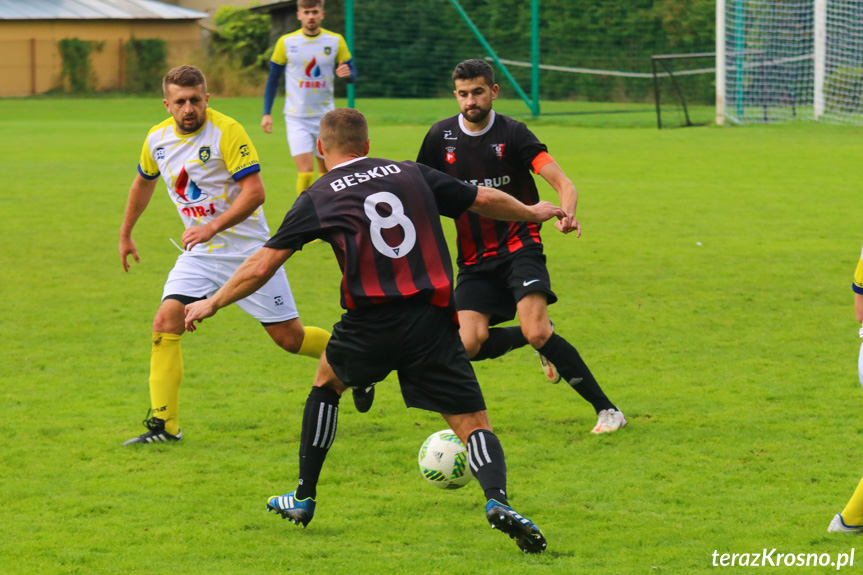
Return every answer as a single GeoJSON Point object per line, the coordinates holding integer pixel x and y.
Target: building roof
{"type": "Point", "coordinates": [95, 10]}
{"type": "Point", "coordinates": [275, 7]}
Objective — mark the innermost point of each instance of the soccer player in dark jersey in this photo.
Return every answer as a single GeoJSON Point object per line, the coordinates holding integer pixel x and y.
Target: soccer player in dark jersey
{"type": "Point", "coordinates": [382, 219]}
{"type": "Point", "coordinates": [502, 267]}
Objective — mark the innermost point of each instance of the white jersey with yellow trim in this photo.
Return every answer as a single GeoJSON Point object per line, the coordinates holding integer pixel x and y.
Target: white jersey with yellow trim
{"type": "Point", "coordinates": [201, 171]}
{"type": "Point", "coordinates": [310, 70]}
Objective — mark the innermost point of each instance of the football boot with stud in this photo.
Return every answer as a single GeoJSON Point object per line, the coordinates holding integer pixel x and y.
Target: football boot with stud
{"type": "Point", "coordinates": [289, 507]}
{"type": "Point", "coordinates": [548, 369]}
{"type": "Point", "coordinates": [838, 526]}
{"type": "Point", "coordinates": [527, 536]}
{"type": "Point", "coordinates": [609, 420]}
{"type": "Point", "coordinates": [155, 433]}
{"type": "Point", "coordinates": [363, 398]}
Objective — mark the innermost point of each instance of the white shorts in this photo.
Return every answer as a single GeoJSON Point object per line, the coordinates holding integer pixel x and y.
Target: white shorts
{"type": "Point", "coordinates": [860, 360]}
{"type": "Point", "coordinates": [303, 135]}
{"type": "Point", "coordinates": [201, 276]}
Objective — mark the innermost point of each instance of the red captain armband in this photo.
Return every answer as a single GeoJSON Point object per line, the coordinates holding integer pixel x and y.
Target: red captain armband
{"type": "Point", "coordinates": [541, 160]}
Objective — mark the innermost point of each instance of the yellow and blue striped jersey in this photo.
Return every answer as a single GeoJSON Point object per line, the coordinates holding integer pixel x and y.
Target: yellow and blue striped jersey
{"type": "Point", "coordinates": [201, 171]}
{"type": "Point", "coordinates": [857, 286]}
{"type": "Point", "coordinates": [310, 70]}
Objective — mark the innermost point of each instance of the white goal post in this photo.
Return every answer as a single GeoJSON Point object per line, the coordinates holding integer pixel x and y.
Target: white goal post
{"type": "Point", "coordinates": [780, 60]}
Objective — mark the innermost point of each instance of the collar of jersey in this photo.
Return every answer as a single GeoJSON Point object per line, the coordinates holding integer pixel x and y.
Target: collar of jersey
{"type": "Point", "coordinates": [481, 132]}
{"type": "Point", "coordinates": [318, 35]}
{"type": "Point", "coordinates": [349, 162]}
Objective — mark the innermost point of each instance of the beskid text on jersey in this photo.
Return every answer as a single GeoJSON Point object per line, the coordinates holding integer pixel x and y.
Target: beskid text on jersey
{"type": "Point", "coordinates": [360, 177]}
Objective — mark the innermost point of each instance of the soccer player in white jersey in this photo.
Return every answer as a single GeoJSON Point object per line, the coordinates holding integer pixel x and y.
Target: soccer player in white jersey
{"type": "Point", "coordinates": [310, 58]}
{"type": "Point", "coordinates": [851, 518]}
{"type": "Point", "coordinates": [213, 177]}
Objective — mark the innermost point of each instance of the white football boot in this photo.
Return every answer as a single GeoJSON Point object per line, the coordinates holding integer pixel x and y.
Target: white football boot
{"type": "Point", "coordinates": [609, 420]}
{"type": "Point", "coordinates": [548, 369]}
{"type": "Point", "coordinates": [838, 526]}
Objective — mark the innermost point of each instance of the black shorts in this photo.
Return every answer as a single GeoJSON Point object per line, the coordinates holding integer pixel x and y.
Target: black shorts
{"type": "Point", "coordinates": [496, 285]}
{"type": "Point", "coordinates": [419, 341]}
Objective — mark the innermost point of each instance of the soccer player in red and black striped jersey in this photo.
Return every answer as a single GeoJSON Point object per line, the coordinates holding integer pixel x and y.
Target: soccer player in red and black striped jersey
{"type": "Point", "coordinates": [502, 268]}
{"type": "Point", "coordinates": [382, 219]}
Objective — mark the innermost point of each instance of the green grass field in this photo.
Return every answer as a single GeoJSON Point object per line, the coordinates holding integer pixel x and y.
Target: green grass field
{"type": "Point", "coordinates": [709, 292]}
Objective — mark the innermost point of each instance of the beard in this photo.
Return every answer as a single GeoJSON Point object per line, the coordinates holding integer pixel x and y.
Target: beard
{"type": "Point", "coordinates": [191, 124]}
{"type": "Point", "coordinates": [476, 115]}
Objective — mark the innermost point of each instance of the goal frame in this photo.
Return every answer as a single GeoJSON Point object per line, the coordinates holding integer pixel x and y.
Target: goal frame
{"type": "Point", "coordinates": [661, 60]}
{"type": "Point", "coordinates": [819, 57]}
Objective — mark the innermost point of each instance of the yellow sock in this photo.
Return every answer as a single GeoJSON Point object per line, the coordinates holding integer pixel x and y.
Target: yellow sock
{"type": "Point", "coordinates": [853, 512]}
{"type": "Point", "coordinates": [304, 180]}
{"type": "Point", "coordinates": [314, 342]}
{"type": "Point", "coordinates": [166, 373]}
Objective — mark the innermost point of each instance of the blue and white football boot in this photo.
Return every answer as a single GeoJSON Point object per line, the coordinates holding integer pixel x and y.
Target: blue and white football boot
{"type": "Point", "coordinates": [838, 526]}
{"type": "Point", "coordinates": [289, 507]}
{"type": "Point", "coordinates": [527, 536]}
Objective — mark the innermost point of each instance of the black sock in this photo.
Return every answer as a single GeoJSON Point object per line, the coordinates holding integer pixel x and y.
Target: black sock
{"type": "Point", "coordinates": [320, 419]}
{"type": "Point", "coordinates": [573, 370]}
{"type": "Point", "coordinates": [500, 340]}
{"type": "Point", "coordinates": [487, 462]}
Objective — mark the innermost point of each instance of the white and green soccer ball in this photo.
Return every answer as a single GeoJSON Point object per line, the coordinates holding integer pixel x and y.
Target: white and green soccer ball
{"type": "Point", "coordinates": [443, 461]}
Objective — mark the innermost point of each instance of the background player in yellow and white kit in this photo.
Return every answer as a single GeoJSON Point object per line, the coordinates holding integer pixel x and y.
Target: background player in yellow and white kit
{"type": "Point", "coordinates": [213, 176]}
{"type": "Point", "coordinates": [310, 58]}
{"type": "Point", "coordinates": [851, 518]}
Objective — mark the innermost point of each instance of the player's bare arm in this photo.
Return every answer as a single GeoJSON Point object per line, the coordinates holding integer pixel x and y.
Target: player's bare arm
{"type": "Point", "coordinates": [858, 306]}
{"type": "Point", "coordinates": [558, 180]}
{"type": "Point", "coordinates": [249, 278]}
{"type": "Point", "coordinates": [139, 198]}
{"type": "Point", "coordinates": [496, 204]}
{"type": "Point", "coordinates": [250, 199]}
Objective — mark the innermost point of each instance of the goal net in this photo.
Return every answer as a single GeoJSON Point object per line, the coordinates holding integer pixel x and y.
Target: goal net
{"type": "Point", "coordinates": [780, 60]}
{"type": "Point", "coordinates": [840, 76]}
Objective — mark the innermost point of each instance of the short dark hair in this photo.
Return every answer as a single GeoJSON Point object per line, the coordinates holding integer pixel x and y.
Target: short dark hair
{"type": "Point", "coordinates": [470, 69]}
{"type": "Point", "coordinates": [306, 4]}
{"type": "Point", "coordinates": [185, 77]}
{"type": "Point", "coordinates": [344, 130]}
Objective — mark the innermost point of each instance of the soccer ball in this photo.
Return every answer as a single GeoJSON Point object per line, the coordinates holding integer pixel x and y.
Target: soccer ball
{"type": "Point", "coordinates": [443, 461]}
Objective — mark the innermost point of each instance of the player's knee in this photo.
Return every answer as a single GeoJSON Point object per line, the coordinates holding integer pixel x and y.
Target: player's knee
{"type": "Point", "coordinates": [472, 350]}
{"type": "Point", "coordinates": [472, 341]}
{"type": "Point", "coordinates": [465, 424]}
{"type": "Point", "coordinates": [168, 323]}
{"type": "Point", "coordinates": [291, 340]}
{"type": "Point", "coordinates": [536, 336]}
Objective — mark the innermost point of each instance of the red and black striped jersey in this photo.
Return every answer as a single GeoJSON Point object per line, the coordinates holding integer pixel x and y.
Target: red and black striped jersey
{"type": "Point", "coordinates": [382, 219]}
{"type": "Point", "coordinates": [500, 156]}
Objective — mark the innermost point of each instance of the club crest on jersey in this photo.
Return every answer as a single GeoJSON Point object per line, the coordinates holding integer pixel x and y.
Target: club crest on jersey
{"type": "Point", "coordinates": [450, 155]}
{"type": "Point", "coordinates": [160, 153]}
{"type": "Point", "coordinates": [498, 149]}
{"type": "Point", "coordinates": [204, 153]}
{"type": "Point", "coordinates": [328, 50]}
